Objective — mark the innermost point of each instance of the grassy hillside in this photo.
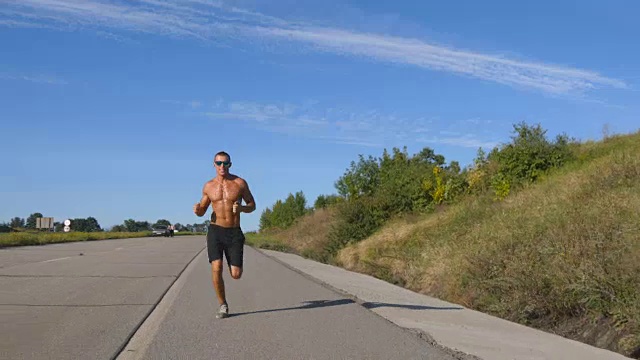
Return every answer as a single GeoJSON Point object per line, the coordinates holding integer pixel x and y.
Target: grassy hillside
{"type": "Point", "coordinates": [561, 254]}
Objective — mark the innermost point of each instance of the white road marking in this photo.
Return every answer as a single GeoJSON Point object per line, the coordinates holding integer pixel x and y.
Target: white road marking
{"type": "Point", "coordinates": [62, 258]}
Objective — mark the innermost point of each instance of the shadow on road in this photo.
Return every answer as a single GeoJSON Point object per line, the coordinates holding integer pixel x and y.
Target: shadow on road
{"type": "Point", "coordinates": [373, 305]}
{"type": "Point", "coordinates": [307, 305]}
{"type": "Point", "coordinates": [369, 305]}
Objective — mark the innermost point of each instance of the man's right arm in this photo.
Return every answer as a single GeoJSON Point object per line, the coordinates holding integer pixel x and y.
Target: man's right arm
{"type": "Point", "coordinates": [201, 208]}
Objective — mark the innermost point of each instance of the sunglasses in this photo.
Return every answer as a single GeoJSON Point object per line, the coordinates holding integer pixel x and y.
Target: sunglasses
{"type": "Point", "coordinates": [225, 163]}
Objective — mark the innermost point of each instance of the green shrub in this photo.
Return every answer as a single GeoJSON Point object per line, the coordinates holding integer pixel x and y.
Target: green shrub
{"type": "Point", "coordinates": [284, 213]}
{"type": "Point", "coordinates": [323, 201]}
{"type": "Point", "coordinates": [501, 186]}
{"type": "Point", "coordinates": [528, 156]}
{"type": "Point", "coordinates": [361, 179]}
{"type": "Point", "coordinates": [357, 220]}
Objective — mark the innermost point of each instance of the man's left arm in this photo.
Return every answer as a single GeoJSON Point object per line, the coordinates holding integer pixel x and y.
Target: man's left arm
{"type": "Point", "coordinates": [248, 198]}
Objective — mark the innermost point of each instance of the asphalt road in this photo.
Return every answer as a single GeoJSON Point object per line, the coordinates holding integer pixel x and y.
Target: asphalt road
{"type": "Point", "coordinates": [86, 301]}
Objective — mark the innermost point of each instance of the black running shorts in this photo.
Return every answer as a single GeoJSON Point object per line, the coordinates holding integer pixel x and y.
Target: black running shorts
{"type": "Point", "coordinates": [227, 240]}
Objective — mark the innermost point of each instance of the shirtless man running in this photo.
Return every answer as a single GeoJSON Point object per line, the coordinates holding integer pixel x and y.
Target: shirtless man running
{"type": "Point", "coordinates": [225, 193]}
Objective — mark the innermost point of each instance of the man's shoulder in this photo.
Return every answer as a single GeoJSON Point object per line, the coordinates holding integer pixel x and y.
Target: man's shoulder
{"type": "Point", "coordinates": [239, 179]}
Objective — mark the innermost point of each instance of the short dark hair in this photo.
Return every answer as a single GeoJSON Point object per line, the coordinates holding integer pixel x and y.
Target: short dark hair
{"type": "Point", "coordinates": [222, 153]}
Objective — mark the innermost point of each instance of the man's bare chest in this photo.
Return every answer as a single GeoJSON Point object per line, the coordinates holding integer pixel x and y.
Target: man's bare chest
{"type": "Point", "coordinates": [224, 190]}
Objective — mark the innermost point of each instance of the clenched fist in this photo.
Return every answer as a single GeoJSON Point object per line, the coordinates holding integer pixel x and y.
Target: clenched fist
{"type": "Point", "coordinates": [237, 207]}
{"type": "Point", "coordinates": [196, 208]}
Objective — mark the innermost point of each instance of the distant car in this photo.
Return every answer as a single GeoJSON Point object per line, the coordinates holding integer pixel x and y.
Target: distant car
{"type": "Point", "coordinates": [160, 230]}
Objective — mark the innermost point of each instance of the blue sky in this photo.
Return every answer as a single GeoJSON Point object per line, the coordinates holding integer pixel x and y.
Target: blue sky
{"type": "Point", "coordinates": [114, 109]}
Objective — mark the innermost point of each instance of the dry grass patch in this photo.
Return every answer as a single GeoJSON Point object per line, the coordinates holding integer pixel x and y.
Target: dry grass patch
{"type": "Point", "coordinates": [309, 232]}
{"type": "Point", "coordinates": [307, 237]}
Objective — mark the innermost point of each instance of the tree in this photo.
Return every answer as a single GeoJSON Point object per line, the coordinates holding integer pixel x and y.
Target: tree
{"type": "Point", "coordinates": [135, 226]}
{"type": "Point", "coordinates": [89, 224]}
{"type": "Point", "coordinates": [299, 204]}
{"type": "Point", "coordinates": [17, 222]}
{"type": "Point", "coordinates": [164, 222]}
{"type": "Point", "coordinates": [405, 181]}
{"type": "Point", "coordinates": [284, 213]}
{"type": "Point", "coordinates": [428, 156]}
{"type": "Point", "coordinates": [530, 154]}
{"type": "Point", "coordinates": [454, 168]}
{"type": "Point", "coordinates": [360, 179]}
{"type": "Point", "coordinates": [265, 219]}
{"type": "Point", "coordinates": [322, 201]}
{"type": "Point", "coordinates": [31, 220]}
{"type": "Point", "coordinates": [119, 228]}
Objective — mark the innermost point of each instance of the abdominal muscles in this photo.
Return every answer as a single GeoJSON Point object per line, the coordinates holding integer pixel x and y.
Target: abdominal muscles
{"type": "Point", "coordinates": [223, 208]}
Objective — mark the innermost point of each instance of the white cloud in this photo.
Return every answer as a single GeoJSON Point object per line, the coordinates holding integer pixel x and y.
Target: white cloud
{"type": "Point", "coordinates": [250, 111]}
{"type": "Point", "coordinates": [467, 141]}
{"type": "Point", "coordinates": [342, 126]}
{"type": "Point", "coordinates": [217, 22]}
{"type": "Point", "coordinates": [21, 24]}
{"type": "Point", "coordinates": [35, 78]}
{"type": "Point", "coordinates": [193, 104]}
{"type": "Point", "coordinates": [547, 78]}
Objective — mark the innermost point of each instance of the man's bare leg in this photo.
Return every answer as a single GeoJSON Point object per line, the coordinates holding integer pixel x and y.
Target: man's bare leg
{"type": "Point", "coordinates": [218, 283]}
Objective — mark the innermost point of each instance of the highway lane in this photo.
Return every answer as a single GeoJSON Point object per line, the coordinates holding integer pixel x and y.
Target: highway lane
{"type": "Point", "coordinates": [276, 313]}
{"type": "Point", "coordinates": [57, 304]}
{"type": "Point", "coordinates": [83, 300]}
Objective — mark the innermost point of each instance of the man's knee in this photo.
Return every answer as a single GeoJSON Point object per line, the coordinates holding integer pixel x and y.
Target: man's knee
{"type": "Point", "coordinates": [236, 272]}
{"type": "Point", "coordinates": [216, 267]}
